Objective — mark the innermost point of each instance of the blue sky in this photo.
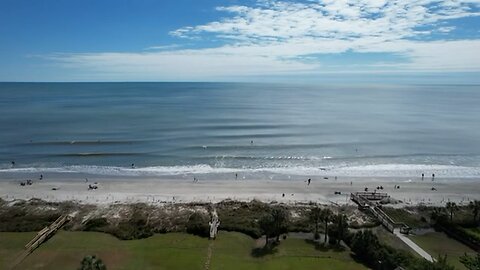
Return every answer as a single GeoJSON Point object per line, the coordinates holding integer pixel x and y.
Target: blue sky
{"type": "Point", "coordinates": [227, 40]}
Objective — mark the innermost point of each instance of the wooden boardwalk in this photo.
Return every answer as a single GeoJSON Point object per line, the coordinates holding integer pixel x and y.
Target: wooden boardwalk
{"type": "Point", "coordinates": [367, 201]}
{"type": "Point", "coordinates": [39, 238]}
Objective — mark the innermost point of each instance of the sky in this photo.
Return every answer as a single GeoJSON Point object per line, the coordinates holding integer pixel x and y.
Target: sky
{"type": "Point", "coordinates": [424, 41]}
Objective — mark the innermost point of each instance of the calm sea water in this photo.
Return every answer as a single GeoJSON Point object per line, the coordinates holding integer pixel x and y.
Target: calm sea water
{"type": "Point", "coordinates": [255, 130]}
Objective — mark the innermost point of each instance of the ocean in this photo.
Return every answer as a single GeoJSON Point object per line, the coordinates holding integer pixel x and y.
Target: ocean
{"type": "Point", "coordinates": [257, 131]}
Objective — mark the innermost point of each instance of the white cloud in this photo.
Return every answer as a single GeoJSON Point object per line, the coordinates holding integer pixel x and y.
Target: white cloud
{"type": "Point", "coordinates": [162, 47]}
{"type": "Point", "coordinates": [273, 36]}
{"type": "Point", "coordinates": [336, 19]}
{"type": "Point", "coordinates": [446, 29]}
{"type": "Point", "coordinates": [178, 65]}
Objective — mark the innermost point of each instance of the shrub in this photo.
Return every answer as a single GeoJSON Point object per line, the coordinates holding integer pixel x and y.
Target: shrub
{"type": "Point", "coordinates": [197, 224]}
{"type": "Point", "coordinates": [17, 219]}
{"type": "Point", "coordinates": [136, 227]}
{"type": "Point", "coordinates": [95, 224]}
{"type": "Point", "coordinates": [371, 252]}
{"type": "Point", "coordinates": [274, 223]}
{"type": "Point", "coordinates": [92, 263]}
{"type": "Point", "coordinates": [241, 216]}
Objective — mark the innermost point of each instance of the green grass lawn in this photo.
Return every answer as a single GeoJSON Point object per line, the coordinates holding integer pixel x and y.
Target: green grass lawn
{"type": "Point", "coordinates": [475, 232]}
{"type": "Point", "coordinates": [437, 243]}
{"type": "Point", "coordinates": [170, 251]}
{"type": "Point", "coordinates": [233, 251]}
{"type": "Point", "coordinates": [12, 244]}
{"type": "Point", "coordinates": [389, 239]}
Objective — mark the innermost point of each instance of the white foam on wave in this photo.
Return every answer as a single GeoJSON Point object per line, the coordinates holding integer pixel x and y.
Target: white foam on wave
{"type": "Point", "coordinates": [378, 170]}
{"type": "Point", "coordinates": [408, 170]}
{"type": "Point", "coordinates": [125, 171]}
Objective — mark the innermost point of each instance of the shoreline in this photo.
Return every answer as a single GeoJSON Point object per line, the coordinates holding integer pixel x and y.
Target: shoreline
{"type": "Point", "coordinates": [112, 190]}
{"type": "Point", "coordinates": [394, 170]}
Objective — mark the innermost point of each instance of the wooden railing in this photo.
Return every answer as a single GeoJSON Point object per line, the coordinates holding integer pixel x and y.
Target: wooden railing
{"type": "Point", "coordinates": [364, 201]}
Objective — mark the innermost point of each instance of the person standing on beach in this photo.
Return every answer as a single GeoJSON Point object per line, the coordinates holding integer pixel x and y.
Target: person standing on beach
{"type": "Point", "coordinates": [236, 176]}
{"type": "Point", "coordinates": [309, 180]}
{"type": "Point", "coordinates": [423, 175]}
{"type": "Point", "coordinates": [433, 176]}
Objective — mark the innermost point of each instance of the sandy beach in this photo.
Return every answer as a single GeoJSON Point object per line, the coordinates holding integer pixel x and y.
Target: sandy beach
{"type": "Point", "coordinates": [158, 191]}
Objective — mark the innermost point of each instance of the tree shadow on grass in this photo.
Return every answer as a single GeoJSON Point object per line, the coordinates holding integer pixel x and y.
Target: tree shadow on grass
{"type": "Point", "coordinates": [320, 246]}
{"type": "Point", "coordinates": [269, 249]}
{"type": "Point", "coordinates": [358, 260]}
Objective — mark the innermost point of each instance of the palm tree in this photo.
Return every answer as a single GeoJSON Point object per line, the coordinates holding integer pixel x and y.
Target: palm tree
{"type": "Point", "coordinates": [280, 218]}
{"type": "Point", "coordinates": [274, 223]}
{"type": "Point", "coordinates": [340, 228]}
{"type": "Point", "coordinates": [451, 207]}
{"type": "Point", "coordinates": [475, 206]}
{"type": "Point", "coordinates": [326, 215]}
{"type": "Point", "coordinates": [438, 215]}
{"type": "Point", "coordinates": [365, 244]}
{"type": "Point", "coordinates": [315, 216]}
{"type": "Point", "coordinates": [266, 226]}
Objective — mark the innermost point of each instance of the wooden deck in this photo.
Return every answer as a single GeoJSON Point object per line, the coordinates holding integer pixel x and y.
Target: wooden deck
{"type": "Point", "coordinates": [368, 201]}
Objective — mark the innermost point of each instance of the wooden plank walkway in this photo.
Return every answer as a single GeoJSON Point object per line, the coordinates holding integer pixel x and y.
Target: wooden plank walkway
{"type": "Point", "coordinates": [365, 201]}
{"type": "Point", "coordinates": [39, 238]}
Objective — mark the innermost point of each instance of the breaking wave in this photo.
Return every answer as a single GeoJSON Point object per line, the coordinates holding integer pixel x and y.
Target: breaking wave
{"type": "Point", "coordinates": [378, 170]}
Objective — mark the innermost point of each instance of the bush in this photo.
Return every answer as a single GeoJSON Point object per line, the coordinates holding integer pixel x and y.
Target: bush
{"type": "Point", "coordinates": [301, 223]}
{"type": "Point", "coordinates": [241, 216]}
{"type": "Point", "coordinates": [136, 227]}
{"type": "Point", "coordinates": [17, 219]}
{"type": "Point", "coordinates": [371, 252]}
{"type": "Point", "coordinates": [92, 263]}
{"type": "Point", "coordinates": [455, 231]}
{"type": "Point", "coordinates": [471, 262]}
{"type": "Point", "coordinates": [274, 223]}
{"type": "Point", "coordinates": [197, 224]}
{"type": "Point", "coordinates": [414, 220]}
{"type": "Point", "coordinates": [96, 224]}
